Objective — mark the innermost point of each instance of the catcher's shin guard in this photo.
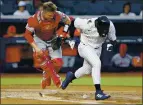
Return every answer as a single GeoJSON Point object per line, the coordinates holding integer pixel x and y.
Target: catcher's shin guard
{"type": "Point", "coordinates": [46, 80]}
{"type": "Point", "coordinates": [47, 66]}
{"type": "Point", "coordinates": [58, 63]}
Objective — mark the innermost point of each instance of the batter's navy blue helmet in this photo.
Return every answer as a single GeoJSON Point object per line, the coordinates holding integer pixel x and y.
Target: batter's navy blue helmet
{"type": "Point", "coordinates": [102, 24]}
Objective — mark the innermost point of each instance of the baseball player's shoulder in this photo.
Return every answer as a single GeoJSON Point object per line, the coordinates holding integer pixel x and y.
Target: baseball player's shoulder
{"type": "Point", "coordinates": [82, 23]}
{"type": "Point", "coordinates": [129, 56]}
{"type": "Point", "coordinates": [86, 21]}
{"type": "Point", "coordinates": [93, 19]}
{"type": "Point", "coordinates": [91, 22]}
{"type": "Point", "coordinates": [115, 57]}
{"type": "Point", "coordinates": [32, 21]}
{"type": "Point", "coordinates": [112, 28]}
{"type": "Point", "coordinates": [59, 13]}
{"type": "Point", "coordinates": [111, 24]}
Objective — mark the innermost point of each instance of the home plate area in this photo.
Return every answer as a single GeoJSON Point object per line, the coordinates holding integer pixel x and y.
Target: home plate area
{"type": "Point", "coordinates": [72, 97]}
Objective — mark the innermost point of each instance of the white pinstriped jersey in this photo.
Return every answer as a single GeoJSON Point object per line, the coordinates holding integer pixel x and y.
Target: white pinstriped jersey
{"type": "Point", "coordinates": [89, 33]}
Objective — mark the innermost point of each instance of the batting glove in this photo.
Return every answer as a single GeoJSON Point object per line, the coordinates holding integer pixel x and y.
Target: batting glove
{"type": "Point", "coordinates": [109, 47]}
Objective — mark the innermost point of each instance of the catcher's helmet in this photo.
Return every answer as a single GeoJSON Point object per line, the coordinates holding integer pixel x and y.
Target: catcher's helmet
{"type": "Point", "coordinates": [102, 24]}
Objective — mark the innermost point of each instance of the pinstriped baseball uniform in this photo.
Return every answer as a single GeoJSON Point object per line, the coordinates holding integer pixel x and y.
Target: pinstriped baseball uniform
{"type": "Point", "coordinates": [90, 47]}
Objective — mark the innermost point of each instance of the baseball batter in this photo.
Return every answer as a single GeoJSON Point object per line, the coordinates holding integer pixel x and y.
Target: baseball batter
{"type": "Point", "coordinates": [94, 32]}
{"type": "Point", "coordinates": [45, 42]}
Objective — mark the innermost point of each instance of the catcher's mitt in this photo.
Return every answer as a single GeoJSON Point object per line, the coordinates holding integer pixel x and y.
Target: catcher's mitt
{"type": "Point", "coordinates": [56, 43]}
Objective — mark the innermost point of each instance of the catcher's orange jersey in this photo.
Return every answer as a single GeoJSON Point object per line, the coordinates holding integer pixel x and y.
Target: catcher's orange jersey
{"type": "Point", "coordinates": [44, 29]}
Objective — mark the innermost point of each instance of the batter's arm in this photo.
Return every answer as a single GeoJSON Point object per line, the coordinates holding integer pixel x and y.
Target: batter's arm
{"type": "Point", "coordinates": [112, 37]}
{"type": "Point", "coordinates": [75, 24]}
{"type": "Point", "coordinates": [112, 32]}
{"type": "Point", "coordinates": [80, 23]}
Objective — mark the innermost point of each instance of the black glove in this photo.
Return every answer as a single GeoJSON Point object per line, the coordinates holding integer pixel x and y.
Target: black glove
{"type": "Point", "coordinates": [56, 43]}
{"type": "Point", "coordinates": [72, 29]}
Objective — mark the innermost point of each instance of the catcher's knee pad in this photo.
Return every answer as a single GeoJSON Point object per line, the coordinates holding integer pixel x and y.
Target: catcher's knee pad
{"type": "Point", "coordinates": [42, 61]}
{"type": "Point", "coordinates": [58, 63]}
{"type": "Point", "coordinates": [37, 60]}
{"type": "Point", "coordinates": [47, 65]}
{"type": "Point", "coordinates": [46, 74]}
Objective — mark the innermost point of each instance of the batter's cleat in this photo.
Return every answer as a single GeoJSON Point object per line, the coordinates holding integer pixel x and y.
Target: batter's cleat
{"type": "Point", "coordinates": [99, 95]}
{"type": "Point", "coordinates": [68, 79]}
{"type": "Point", "coordinates": [45, 82]}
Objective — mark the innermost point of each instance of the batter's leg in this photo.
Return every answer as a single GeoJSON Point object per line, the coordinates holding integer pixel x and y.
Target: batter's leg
{"type": "Point", "coordinates": [85, 69]}
{"type": "Point", "coordinates": [92, 64]}
{"type": "Point", "coordinates": [91, 56]}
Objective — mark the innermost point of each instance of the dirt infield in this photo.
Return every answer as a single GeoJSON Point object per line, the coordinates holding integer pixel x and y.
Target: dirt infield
{"type": "Point", "coordinates": [30, 94]}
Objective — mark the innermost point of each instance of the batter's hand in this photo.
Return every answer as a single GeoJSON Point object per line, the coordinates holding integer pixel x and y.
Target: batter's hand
{"type": "Point", "coordinates": [109, 47]}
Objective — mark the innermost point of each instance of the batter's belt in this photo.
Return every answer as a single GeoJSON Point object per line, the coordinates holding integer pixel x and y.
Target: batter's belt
{"type": "Point", "coordinates": [86, 45]}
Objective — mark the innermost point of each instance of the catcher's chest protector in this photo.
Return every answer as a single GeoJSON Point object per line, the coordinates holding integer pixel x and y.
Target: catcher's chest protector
{"type": "Point", "coordinates": [45, 29]}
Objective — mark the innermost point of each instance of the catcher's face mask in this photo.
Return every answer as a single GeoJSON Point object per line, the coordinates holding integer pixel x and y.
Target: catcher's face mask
{"type": "Point", "coordinates": [102, 24]}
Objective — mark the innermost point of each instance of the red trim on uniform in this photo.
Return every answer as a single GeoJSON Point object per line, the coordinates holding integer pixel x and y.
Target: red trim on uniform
{"type": "Point", "coordinates": [58, 62]}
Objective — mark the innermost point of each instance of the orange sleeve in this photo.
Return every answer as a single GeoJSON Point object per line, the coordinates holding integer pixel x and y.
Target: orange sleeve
{"type": "Point", "coordinates": [28, 36]}
{"type": "Point", "coordinates": [31, 23]}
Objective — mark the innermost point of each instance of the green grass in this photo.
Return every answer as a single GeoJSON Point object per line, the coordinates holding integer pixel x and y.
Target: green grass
{"type": "Point", "coordinates": [112, 81]}
{"type": "Point", "coordinates": [108, 81]}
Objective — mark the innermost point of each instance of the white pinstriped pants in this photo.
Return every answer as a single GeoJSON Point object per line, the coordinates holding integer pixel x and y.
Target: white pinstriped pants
{"type": "Point", "coordinates": [91, 64]}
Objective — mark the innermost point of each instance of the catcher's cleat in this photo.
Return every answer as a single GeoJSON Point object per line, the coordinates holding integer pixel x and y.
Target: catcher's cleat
{"type": "Point", "coordinates": [68, 79]}
{"type": "Point", "coordinates": [99, 95]}
{"type": "Point", "coordinates": [45, 82]}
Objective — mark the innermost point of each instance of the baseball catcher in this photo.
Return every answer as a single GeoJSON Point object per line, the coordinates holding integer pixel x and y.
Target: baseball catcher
{"type": "Point", "coordinates": [41, 35]}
